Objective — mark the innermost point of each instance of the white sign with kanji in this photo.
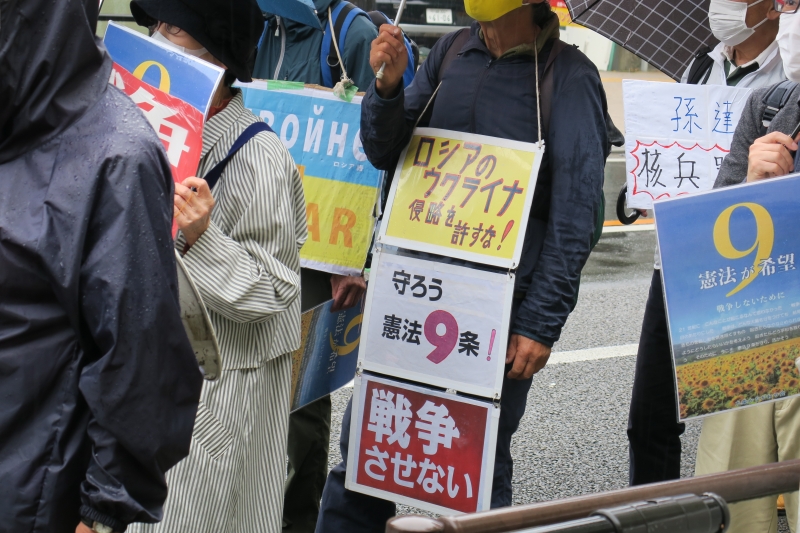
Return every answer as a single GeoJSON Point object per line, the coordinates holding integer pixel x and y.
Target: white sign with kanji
{"type": "Point", "coordinates": [437, 323]}
{"type": "Point", "coordinates": [676, 137]}
{"type": "Point", "coordinates": [421, 447]}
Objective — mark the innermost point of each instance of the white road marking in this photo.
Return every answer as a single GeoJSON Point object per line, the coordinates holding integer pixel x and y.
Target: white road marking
{"type": "Point", "coordinates": [593, 354]}
{"type": "Point", "coordinates": [633, 227]}
{"type": "Point", "coordinates": [576, 356]}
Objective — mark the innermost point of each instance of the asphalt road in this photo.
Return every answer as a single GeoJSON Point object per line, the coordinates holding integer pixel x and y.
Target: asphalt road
{"type": "Point", "coordinates": [572, 438]}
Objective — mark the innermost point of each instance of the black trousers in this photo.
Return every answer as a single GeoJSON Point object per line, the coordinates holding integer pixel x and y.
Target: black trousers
{"type": "Point", "coordinates": [653, 429]}
{"type": "Point", "coordinates": [309, 438]}
{"type": "Point", "coordinates": [309, 435]}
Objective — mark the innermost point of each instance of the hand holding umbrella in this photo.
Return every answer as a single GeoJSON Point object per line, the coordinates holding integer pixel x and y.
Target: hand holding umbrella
{"type": "Point", "coordinates": [388, 58]}
{"type": "Point", "coordinates": [400, 9]}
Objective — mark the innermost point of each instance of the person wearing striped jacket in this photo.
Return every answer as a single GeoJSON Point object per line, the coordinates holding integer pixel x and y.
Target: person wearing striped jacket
{"type": "Point", "coordinates": [241, 241]}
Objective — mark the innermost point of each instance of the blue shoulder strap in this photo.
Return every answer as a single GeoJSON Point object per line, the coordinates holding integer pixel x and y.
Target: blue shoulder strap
{"type": "Point", "coordinates": [408, 75]}
{"type": "Point", "coordinates": [327, 46]}
{"type": "Point", "coordinates": [251, 131]}
{"type": "Point", "coordinates": [342, 17]}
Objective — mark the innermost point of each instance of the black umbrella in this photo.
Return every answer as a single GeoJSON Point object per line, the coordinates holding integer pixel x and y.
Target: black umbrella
{"type": "Point", "coordinates": [665, 33]}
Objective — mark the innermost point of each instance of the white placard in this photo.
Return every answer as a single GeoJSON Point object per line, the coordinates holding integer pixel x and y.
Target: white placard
{"type": "Point", "coordinates": [676, 137]}
{"type": "Point", "coordinates": [437, 323]}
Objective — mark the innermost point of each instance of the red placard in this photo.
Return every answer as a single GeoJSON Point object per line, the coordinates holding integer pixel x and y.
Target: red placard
{"type": "Point", "coordinates": [178, 124]}
{"type": "Point", "coordinates": [426, 448]}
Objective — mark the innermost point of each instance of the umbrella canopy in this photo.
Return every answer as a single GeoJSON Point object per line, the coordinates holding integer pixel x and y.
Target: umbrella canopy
{"type": "Point", "coordinates": [665, 33]}
{"type": "Point", "coordinates": [301, 11]}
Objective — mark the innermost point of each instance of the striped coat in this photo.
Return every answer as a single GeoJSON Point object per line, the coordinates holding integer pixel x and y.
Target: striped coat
{"type": "Point", "coordinates": [247, 268]}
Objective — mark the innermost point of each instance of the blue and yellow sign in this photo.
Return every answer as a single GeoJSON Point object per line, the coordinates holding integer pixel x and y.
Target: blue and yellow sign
{"type": "Point", "coordinates": [323, 135]}
{"type": "Point", "coordinates": [732, 289]}
{"type": "Point", "coordinates": [189, 79]}
{"type": "Point", "coordinates": [327, 358]}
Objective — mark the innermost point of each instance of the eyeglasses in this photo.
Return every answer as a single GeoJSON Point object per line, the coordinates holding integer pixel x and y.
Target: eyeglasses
{"type": "Point", "coordinates": [174, 30]}
{"type": "Point", "coordinates": [786, 7]}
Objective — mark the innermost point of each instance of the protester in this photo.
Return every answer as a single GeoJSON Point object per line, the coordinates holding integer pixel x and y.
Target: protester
{"type": "Point", "coordinates": [489, 89]}
{"type": "Point", "coordinates": [746, 57]}
{"type": "Point", "coordinates": [241, 244]}
{"type": "Point", "coordinates": [291, 51]}
{"type": "Point", "coordinates": [99, 382]}
{"type": "Point", "coordinates": [767, 433]}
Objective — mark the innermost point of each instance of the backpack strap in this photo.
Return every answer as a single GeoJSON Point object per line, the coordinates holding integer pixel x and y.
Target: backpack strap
{"type": "Point", "coordinates": [251, 131]}
{"type": "Point", "coordinates": [343, 16]}
{"type": "Point", "coordinates": [701, 66]}
{"type": "Point", "coordinates": [546, 94]}
{"type": "Point", "coordinates": [775, 99]}
{"type": "Point", "coordinates": [378, 18]}
{"type": "Point", "coordinates": [462, 36]}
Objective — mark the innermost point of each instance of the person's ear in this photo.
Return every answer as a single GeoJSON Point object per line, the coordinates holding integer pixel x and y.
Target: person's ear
{"type": "Point", "coordinates": [772, 14]}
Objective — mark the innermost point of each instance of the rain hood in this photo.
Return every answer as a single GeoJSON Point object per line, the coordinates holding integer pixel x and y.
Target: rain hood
{"type": "Point", "coordinates": [52, 69]}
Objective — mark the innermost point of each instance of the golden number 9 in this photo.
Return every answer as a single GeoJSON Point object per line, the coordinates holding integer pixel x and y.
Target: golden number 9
{"type": "Point", "coordinates": [164, 82]}
{"type": "Point", "coordinates": [765, 238]}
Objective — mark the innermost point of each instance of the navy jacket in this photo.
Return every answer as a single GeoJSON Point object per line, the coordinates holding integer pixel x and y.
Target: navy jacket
{"type": "Point", "coordinates": [98, 382]}
{"type": "Point", "coordinates": [497, 97]}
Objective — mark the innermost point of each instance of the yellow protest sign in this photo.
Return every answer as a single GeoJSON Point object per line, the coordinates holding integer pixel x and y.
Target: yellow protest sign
{"type": "Point", "coordinates": [323, 135]}
{"type": "Point", "coordinates": [340, 223]}
{"type": "Point", "coordinates": [462, 195]}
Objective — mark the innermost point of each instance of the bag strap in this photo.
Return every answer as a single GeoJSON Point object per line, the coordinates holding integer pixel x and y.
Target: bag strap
{"type": "Point", "coordinates": [548, 84]}
{"type": "Point", "coordinates": [251, 131]}
{"type": "Point", "coordinates": [461, 38]}
{"type": "Point", "coordinates": [455, 47]}
{"type": "Point", "coordinates": [775, 100]}
{"type": "Point", "coordinates": [378, 18]}
{"type": "Point", "coordinates": [702, 65]}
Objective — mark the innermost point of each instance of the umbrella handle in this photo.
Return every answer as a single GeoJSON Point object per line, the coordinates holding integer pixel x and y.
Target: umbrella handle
{"type": "Point", "coordinates": [622, 216]}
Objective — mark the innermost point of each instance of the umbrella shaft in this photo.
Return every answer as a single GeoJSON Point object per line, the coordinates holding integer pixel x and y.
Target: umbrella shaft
{"type": "Point", "coordinates": [400, 9]}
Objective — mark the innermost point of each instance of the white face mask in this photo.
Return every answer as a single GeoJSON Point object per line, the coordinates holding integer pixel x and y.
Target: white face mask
{"type": "Point", "coordinates": [727, 20]}
{"type": "Point", "coordinates": [789, 45]}
{"type": "Point", "coordinates": [158, 36]}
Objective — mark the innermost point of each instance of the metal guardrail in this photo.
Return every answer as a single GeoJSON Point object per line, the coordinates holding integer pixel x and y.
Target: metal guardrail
{"type": "Point", "coordinates": [428, 29]}
{"type": "Point", "coordinates": [734, 486]}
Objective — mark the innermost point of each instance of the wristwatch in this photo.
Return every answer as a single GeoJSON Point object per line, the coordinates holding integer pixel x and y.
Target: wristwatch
{"type": "Point", "coordinates": [97, 527]}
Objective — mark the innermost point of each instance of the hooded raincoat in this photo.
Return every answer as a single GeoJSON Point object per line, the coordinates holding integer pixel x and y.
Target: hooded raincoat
{"type": "Point", "coordinates": [98, 382]}
{"type": "Point", "coordinates": [291, 51]}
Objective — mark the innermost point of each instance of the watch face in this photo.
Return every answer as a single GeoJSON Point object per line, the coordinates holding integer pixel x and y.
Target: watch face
{"type": "Point", "coordinates": [100, 528]}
